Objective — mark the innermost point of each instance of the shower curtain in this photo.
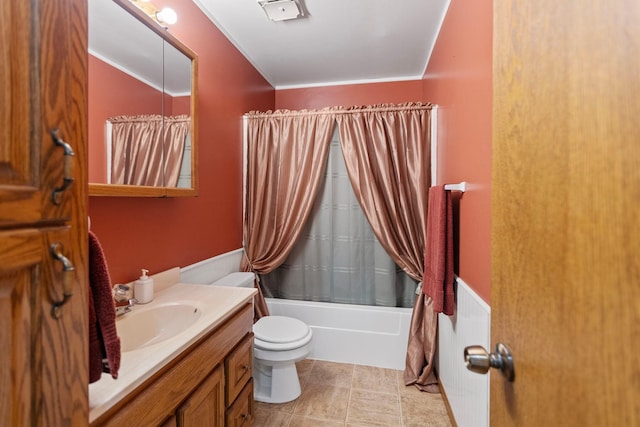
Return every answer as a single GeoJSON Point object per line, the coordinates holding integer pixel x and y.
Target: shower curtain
{"type": "Point", "coordinates": [337, 257]}
{"type": "Point", "coordinates": [387, 153]}
{"type": "Point", "coordinates": [286, 155]}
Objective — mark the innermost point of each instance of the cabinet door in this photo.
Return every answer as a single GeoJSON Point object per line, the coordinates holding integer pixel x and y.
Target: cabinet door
{"type": "Point", "coordinates": [205, 406]}
{"type": "Point", "coordinates": [19, 156]}
{"type": "Point", "coordinates": [43, 84]}
{"type": "Point", "coordinates": [20, 259]}
{"type": "Point", "coordinates": [238, 368]}
{"type": "Point", "coordinates": [44, 362]}
{"type": "Point", "coordinates": [62, 371]}
{"type": "Point", "coordinates": [241, 413]}
{"type": "Point", "coordinates": [61, 46]}
{"type": "Point", "coordinates": [62, 106]}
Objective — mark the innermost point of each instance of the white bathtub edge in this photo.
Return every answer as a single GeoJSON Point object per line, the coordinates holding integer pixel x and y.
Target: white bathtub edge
{"type": "Point", "coordinates": [344, 333]}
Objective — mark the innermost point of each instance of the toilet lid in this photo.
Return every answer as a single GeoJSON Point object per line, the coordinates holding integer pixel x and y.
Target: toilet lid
{"type": "Point", "coordinates": [280, 329]}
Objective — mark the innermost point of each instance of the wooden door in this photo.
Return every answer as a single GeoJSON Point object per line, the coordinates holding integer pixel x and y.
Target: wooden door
{"type": "Point", "coordinates": [565, 293]}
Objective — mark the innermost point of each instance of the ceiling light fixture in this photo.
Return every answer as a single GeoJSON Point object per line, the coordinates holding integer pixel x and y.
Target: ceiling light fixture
{"type": "Point", "coordinates": [167, 16]}
{"type": "Point", "coordinates": [164, 17]}
{"type": "Point", "coordinates": [281, 10]}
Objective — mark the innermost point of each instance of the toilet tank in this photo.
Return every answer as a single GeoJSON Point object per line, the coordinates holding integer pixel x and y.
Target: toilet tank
{"type": "Point", "coordinates": [238, 280]}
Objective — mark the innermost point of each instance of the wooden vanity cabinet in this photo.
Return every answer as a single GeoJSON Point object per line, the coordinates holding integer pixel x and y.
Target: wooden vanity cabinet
{"type": "Point", "coordinates": [194, 388]}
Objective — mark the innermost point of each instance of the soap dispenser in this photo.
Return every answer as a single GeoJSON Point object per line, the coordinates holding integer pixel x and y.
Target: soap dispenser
{"type": "Point", "coordinates": [143, 288]}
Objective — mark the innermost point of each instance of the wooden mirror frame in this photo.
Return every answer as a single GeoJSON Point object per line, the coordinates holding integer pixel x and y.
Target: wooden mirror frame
{"type": "Point", "coordinates": [99, 189]}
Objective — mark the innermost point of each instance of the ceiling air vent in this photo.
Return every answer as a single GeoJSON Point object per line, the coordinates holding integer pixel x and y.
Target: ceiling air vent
{"type": "Point", "coordinates": [281, 10]}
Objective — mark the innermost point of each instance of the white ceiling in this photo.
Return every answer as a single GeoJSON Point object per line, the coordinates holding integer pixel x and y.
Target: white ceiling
{"type": "Point", "coordinates": [338, 42]}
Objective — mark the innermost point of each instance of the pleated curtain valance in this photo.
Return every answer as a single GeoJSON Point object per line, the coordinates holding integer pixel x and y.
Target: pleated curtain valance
{"type": "Point", "coordinates": [342, 110]}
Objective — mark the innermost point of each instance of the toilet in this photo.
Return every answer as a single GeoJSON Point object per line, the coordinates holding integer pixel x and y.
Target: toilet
{"type": "Point", "coordinates": [278, 343]}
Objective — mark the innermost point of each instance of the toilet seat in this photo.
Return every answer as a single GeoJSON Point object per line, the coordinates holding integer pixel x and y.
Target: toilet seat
{"type": "Point", "coordinates": [279, 333]}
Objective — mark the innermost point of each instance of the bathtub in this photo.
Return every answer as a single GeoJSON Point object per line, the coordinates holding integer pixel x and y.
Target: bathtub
{"type": "Point", "coordinates": [358, 334]}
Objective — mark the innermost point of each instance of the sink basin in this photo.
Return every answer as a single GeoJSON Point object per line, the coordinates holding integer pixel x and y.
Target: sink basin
{"type": "Point", "coordinates": [143, 327]}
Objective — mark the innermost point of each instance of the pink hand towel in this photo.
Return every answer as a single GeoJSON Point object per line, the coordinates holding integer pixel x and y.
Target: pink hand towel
{"type": "Point", "coordinates": [438, 275]}
{"type": "Point", "coordinates": [103, 337]}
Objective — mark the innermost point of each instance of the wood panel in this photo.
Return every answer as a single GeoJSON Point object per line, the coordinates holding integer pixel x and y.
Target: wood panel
{"type": "Point", "coordinates": [18, 159]}
{"type": "Point", "coordinates": [44, 372]}
{"type": "Point", "coordinates": [566, 212]}
{"type": "Point", "coordinates": [20, 257]}
{"type": "Point", "coordinates": [242, 412]}
{"type": "Point", "coordinates": [238, 368]}
{"type": "Point", "coordinates": [63, 101]}
{"type": "Point", "coordinates": [62, 65]}
{"type": "Point", "coordinates": [63, 373]}
{"type": "Point", "coordinates": [205, 406]}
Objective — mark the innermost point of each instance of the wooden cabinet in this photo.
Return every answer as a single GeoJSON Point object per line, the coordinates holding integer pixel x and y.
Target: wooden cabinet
{"type": "Point", "coordinates": [239, 384]}
{"type": "Point", "coordinates": [238, 369]}
{"type": "Point", "coordinates": [207, 385]}
{"type": "Point", "coordinates": [241, 412]}
{"type": "Point", "coordinates": [205, 406]}
{"type": "Point", "coordinates": [225, 398]}
{"type": "Point", "coordinates": [43, 66]}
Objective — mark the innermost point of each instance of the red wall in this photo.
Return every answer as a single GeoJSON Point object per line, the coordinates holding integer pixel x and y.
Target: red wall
{"type": "Point", "coordinates": [458, 79]}
{"type": "Point", "coordinates": [349, 95]}
{"type": "Point", "coordinates": [179, 105]}
{"type": "Point", "coordinates": [158, 233]}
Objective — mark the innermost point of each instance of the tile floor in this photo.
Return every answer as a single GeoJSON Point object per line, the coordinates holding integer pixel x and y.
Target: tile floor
{"type": "Point", "coordinates": [338, 394]}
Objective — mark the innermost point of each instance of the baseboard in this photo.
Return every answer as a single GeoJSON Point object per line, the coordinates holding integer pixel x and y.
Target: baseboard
{"type": "Point", "coordinates": [447, 405]}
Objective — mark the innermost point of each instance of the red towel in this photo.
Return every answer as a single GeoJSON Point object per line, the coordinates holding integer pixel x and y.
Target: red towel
{"type": "Point", "coordinates": [437, 281]}
{"type": "Point", "coordinates": [103, 337]}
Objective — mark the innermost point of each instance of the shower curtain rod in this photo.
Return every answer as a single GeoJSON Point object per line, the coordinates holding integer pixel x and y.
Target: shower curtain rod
{"type": "Point", "coordinates": [343, 110]}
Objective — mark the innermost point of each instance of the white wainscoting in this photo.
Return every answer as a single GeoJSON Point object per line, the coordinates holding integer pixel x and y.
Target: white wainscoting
{"type": "Point", "coordinates": [467, 392]}
{"type": "Point", "coordinates": [211, 269]}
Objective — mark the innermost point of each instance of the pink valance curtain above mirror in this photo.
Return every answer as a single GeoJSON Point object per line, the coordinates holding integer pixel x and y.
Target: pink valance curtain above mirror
{"type": "Point", "coordinates": [147, 149]}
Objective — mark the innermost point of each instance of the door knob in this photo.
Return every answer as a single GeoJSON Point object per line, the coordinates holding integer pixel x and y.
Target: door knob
{"type": "Point", "coordinates": [478, 360]}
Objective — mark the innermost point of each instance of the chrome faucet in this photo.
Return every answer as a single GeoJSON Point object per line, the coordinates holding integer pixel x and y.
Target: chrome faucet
{"type": "Point", "coordinates": [123, 300]}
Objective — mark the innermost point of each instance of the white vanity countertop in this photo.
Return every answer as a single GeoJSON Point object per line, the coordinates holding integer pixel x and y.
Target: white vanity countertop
{"type": "Point", "coordinates": [216, 303]}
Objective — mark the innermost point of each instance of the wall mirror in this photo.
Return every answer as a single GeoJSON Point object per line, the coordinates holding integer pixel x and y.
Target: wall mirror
{"type": "Point", "coordinates": [142, 105]}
